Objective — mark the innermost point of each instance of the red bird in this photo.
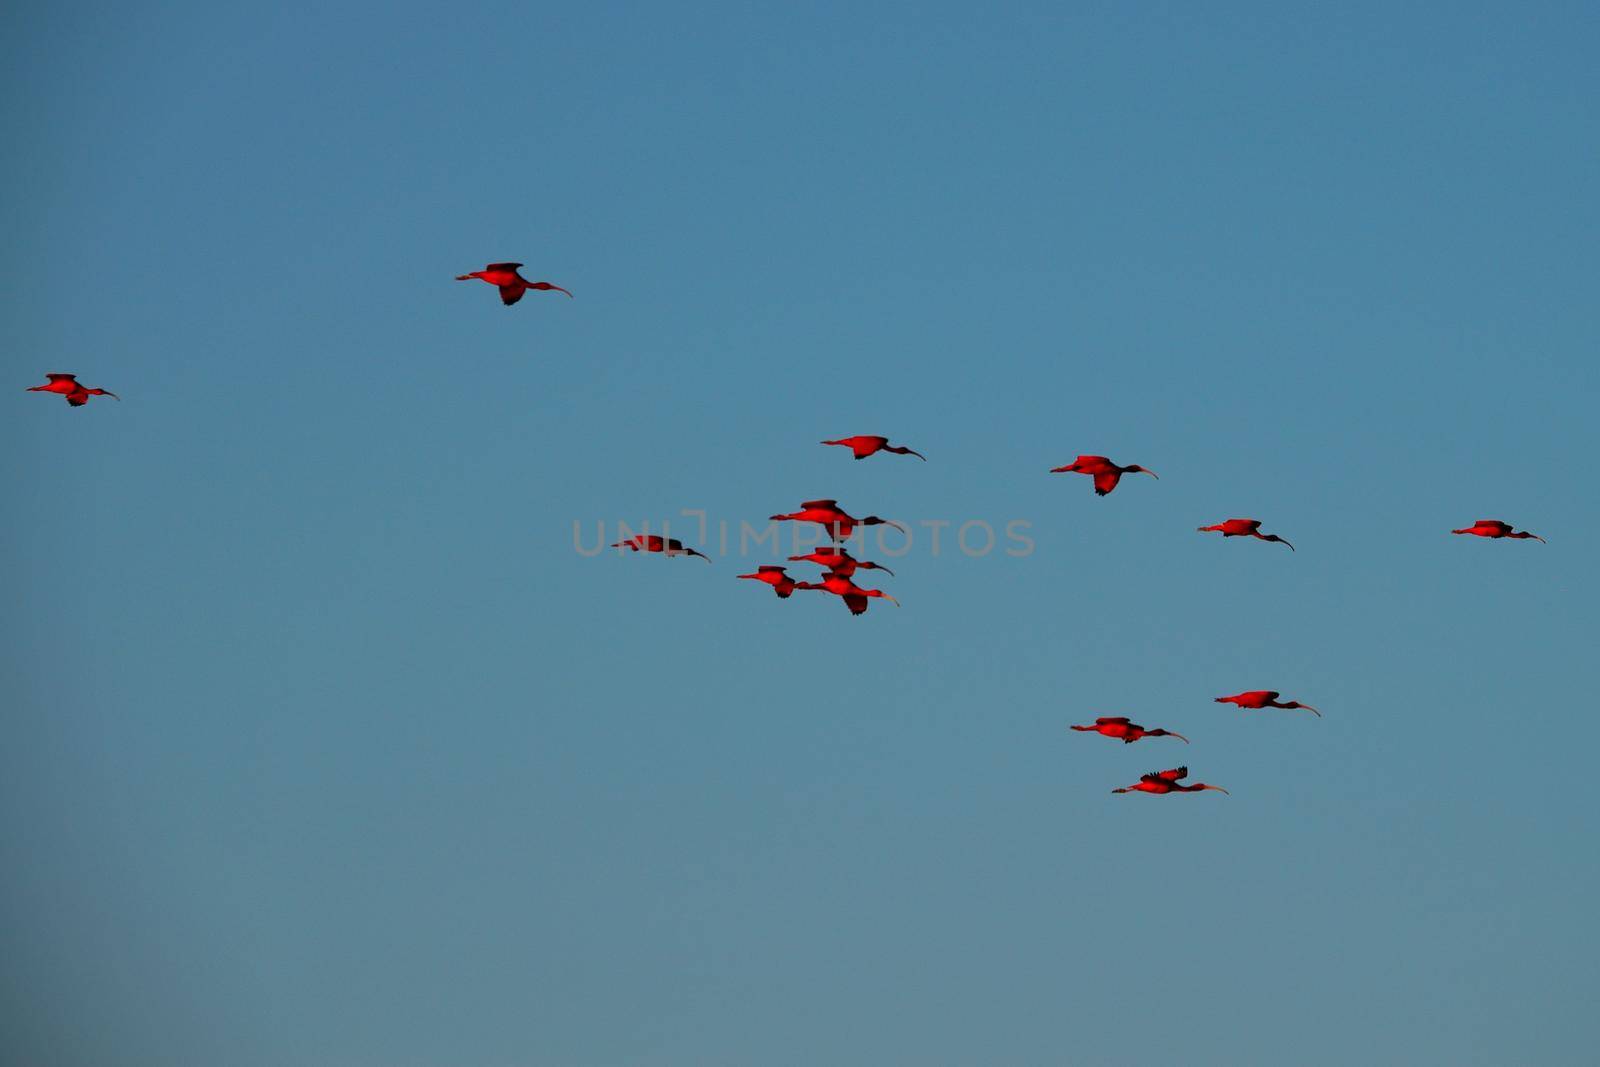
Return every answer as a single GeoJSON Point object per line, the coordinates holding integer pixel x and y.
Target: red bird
{"type": "Point", "coordinates": [1481, 528]}
{"type": "Point", "coordinates": [781, 583]}
{"type": "Point", "coordinates": [839, 562]}
{"type": "Point", "coordinates": [1264, 698]}
{"type": "Point", "coordinates": [655, 543]}
{"type": "Point", "coordinates": [855, 597]}
{"type": "Point", "coordinates": [1244, 528]}
{"type": "Point", "coordinates": [512, 285]}
{"type": "Point", "coordinates": [1166, 782]}
{"type": "Point", "coordinates": [828, 514]}
{"type": "Point", "coordinates": [1119, 726]}
{"type": "Point", "coordinates": [67, 385]}
{"type": "Point", "coordinates": [864, 445]}
{"type": "Point", "coordinates": [1106, 473]}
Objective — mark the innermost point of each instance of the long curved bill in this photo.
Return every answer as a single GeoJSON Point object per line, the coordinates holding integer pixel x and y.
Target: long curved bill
{"type": "Point", "coordinates": [891, 600]}
{"type": "Point", "coordinates": [1219, 789]}
{"type": "Point", "coordinates": [1179, 736]}
{"type": "Point", "coordinates": [1312, 710]}
{"type": "Point", "coordinates": [896, 525]}
{"type": "Point", "coordinates": [1152, 474]}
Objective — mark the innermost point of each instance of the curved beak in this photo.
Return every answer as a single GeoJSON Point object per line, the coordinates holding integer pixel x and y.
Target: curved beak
{"type": "Point", "coordinates": [1291, 547]}
{"type": "Point", "coordinates": [1151, 473]}
{"type": "Point", "coordinates": [1539, 539]}
{"type": "Point", "coordinates": [919, 455]}
{"type": "Point", "coordinates": [896, 525]}
{"type": "Point", "coordinates": [1180, 737]}
{"type": "Point", "coordinates": [107, 392]}
{"type": "Point", "coordinates": [1312, 710]}
{"type": "Point", "coordinates": [1219, 789]}
{"type": "Point", "coordinates": [881, 567]}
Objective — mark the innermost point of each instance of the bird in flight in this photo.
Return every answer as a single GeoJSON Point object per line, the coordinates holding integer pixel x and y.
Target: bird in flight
{"type": "Point", "coordinates": [1489, 528]}
{"type": "Point", "coordinates": [1264, 698]}
{"type": "Point", "coordinates": [511, 284]}
{"type": "Point", "coordinates": [781, 583]}
{"type": "Point", "coordinates": [67, 385]}
{"type": "Point", "coordinates": [1244, 528]}
{"type": "Point", "coordinates": [864, 445]}
{"type": "Point", "coordinates": [836, 520]}
{"type": "Point", "coordinates": [855, 597]}
{"type": "Point", "coordinates": [1166, 782]}
{"type": "Point", "coordinates": [1129, 732]}
{"type": "Point", "coordinates": [839, 561]}
{"type": "Point", "coordinates": [655, 543]}
{"type": "Point", "coordinates": [1106, 474]}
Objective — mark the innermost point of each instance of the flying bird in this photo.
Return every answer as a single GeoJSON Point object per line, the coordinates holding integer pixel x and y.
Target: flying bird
{"type": "Point", "coordinates": [1244, 528]}
{"type": "Point", "coordinates": [828, 514]}
{"type": "Point", "coordinates": [855, 597]}
{"type": "Point", "coordinates": [839, 562]}
{"type": "Point", "coordinates": [1264, 698]}
{"type": "Point", "coordinates": [864, 445]}
{"type": "Point", "coordinates": [655, 543]}
{"type": "Point", "coordinates": [781, 583]}
{"type": "Point", "coordinates": [511, 284]}
{"type": "Point", "coordinates": [1129, 732]}
{"type": "Point", "coordinates": [1489, 528]}
{"type": "Point", "coordinates": [1106, 473]}
{"type": "Point", "coordinates": [67, 385]}
{"type": "Point", "coordinates": [1166, 782]}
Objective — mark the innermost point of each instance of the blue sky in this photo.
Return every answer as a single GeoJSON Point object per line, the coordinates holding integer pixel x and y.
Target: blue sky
{"type": "Point", "coordinates": [324, 746]}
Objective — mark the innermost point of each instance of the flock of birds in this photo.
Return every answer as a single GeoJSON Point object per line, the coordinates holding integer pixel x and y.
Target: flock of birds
{"type": "Point", "coordinates": [839, 567]}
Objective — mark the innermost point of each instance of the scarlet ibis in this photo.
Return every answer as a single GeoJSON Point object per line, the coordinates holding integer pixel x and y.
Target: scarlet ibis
{"type": "Point", "coordinates": [1119, 726]}
{"type": "Point", "coordinates": [781, 583]}
{"type": "Point", "coordinates": [864, 445]}
{"type": "Point", "coordinates": [656, 543]}
{"type": "Point", "coordinates": [1244, 528]}
{"type": "Point", "coordinates": [840, 562]}
{"type": "Point", "coordinates": [1264, 698]}
{"type": "Point", "coordinates": [1166, 782]}
{"type": "Point", "coordinates": [834, 518]}
{"type": "Point", "coordinates": [511, 284]}
{"type": "Point", "coordinates": [1106, 473]}
{"type": "Point", "coordinates": [855, 597]}
{"type": "Point", "coordinates": [67, 385]}
{"type": "Point", "coordinates": [1492, 528]}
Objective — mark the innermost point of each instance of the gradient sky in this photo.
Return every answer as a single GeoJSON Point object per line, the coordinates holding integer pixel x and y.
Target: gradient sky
{"type": "Point", "coordinates": [324, 747]}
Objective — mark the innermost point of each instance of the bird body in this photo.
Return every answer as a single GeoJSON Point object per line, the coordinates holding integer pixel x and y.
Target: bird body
{"type": "Point", "coordinates": [1243, 528]}
{"type": "Point", "coordinates": [855, 597]}
{"type": "Point", "coordinates": [835, 519]}
{"type": "Point", "coordinates": [781, 583]}
{"type": "Point", "coordinates": [1106, 474]}
{"type": "Point", "coordinates": [1161, 782]}
{"type": "Point", "coordinates": [864, 445]}
{"type": "Point", "coordinates": [507, 278]}
{"type": "Point", "coordinates": [1265, 698]}
{"type": "Point", "coordinates": [839, 562]}
{"type": "Point", "coordinates": [1495, 528]}
{"type": "Point", "coordinates": [67, 385]}
{"type": "Point", "coordinates": [1118, 726]}
{"type": "Point", "coordinates": [670, 546]}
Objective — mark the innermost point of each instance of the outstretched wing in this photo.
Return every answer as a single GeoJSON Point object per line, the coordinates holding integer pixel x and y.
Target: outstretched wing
{"type": "Point", "coordinates": [503, 266]}
{"type": "Point", "coordinates": [62, 377]}
{"type": "Point", "coordinates": [856, 604]}
{"type": "Point", "coordinates": [77, 400]}
{"type": "Point", "coordinates": [1172, 775]}
{"type": "Point", "coordinates": [1495, 524]}
{"type": "Point", "coordinates": [819, 503]}
{"type": "Point", "coordinates": [510, 294]}
{"type": "Point", "coordinates": [1110, 718]}
{"type": "Point", "coordinates": [1106, 481]}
